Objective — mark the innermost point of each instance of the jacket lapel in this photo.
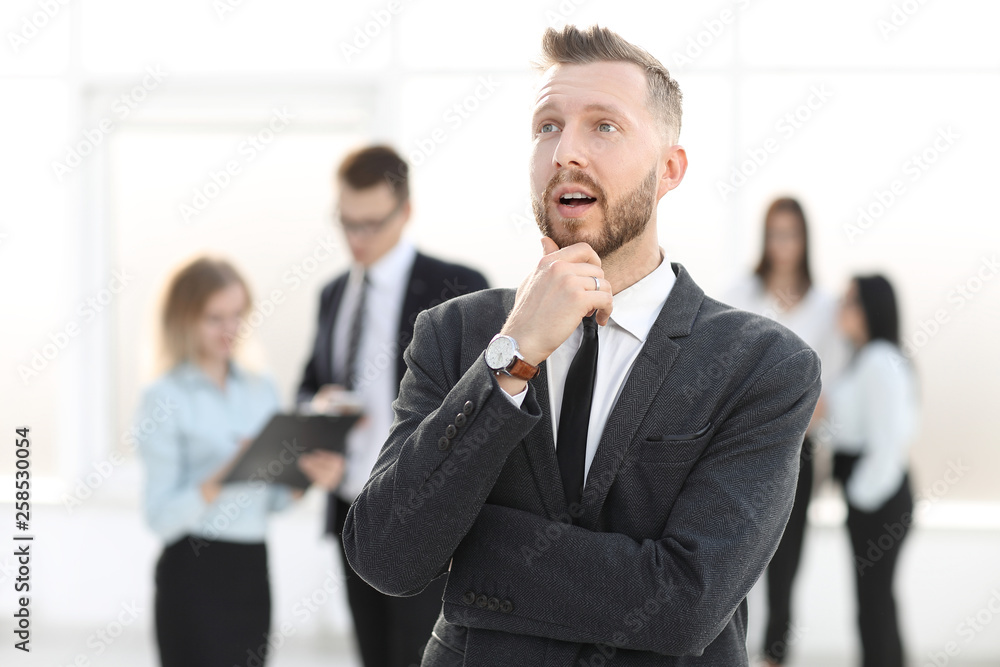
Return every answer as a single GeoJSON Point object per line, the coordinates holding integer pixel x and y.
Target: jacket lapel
{"type": "Point", "coordinates": [648, 374]}
{"type": "Point", "coordinates": [539, 445]}
{"type": "Point", "coordinates": [324, 355]}
{"type": "Point", "coordinates": [414, 301]}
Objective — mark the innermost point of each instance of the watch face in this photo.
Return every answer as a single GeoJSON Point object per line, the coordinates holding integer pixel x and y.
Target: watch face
{"type": "Point", "coordinates": [500, 353]}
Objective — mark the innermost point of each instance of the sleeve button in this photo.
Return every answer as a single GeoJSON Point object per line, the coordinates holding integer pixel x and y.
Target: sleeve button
{"type": "Point", "coordinates": [460, 419]}
{"type": "Point", "coordinates": [481, 602]}
{"type": "Point", "coordinates": [468, 407]}
{"type": "Point", "coordinates": [444, 444]}
{"type": "Point", "coordinates": [506, 607]}
{"type": "Point", "coordinates": [451, 431]}
{"type": "Point", "coordinates": [493, 604]}
{"type": "Point", "coordinates": [469, 597]}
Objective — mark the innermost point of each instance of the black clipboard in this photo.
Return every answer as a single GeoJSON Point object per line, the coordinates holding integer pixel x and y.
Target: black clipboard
{"type": "Point", "coordinates": [273, 455]}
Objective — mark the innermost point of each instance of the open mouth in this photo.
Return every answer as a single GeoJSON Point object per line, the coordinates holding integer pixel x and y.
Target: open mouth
{"type": "Point", "coordinates": [574, 199]}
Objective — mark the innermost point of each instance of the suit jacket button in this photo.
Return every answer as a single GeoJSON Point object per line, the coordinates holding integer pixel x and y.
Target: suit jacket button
{"type": "Point", "coordinates": [469, 597]}
{"type": "Point", "coordinates": [481, 602]}
{"type": "Point", "coordinates": [493, 604]}
{"type": "Point", "coordinates": [468, 407]}
{"type": "Point", "coordinates": [444, 444]}
{"type": "Point", "coordinates": [460, 419]}
{"type": "Point", "coordinates": [506, 607]}
{"type": "Point", "coordinates": [451, 431]}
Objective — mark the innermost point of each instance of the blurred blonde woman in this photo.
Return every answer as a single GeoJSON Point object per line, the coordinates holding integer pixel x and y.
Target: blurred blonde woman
{"type": "Point", "coordinates": [213, 601]}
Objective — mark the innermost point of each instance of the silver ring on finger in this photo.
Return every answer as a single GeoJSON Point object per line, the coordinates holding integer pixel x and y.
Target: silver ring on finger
{"type": "Point", "coordinates": [597, 283]}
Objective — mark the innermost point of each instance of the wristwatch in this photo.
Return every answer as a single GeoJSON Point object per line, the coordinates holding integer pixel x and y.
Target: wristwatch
{"type": "Point", "coordinates": [502, 356]}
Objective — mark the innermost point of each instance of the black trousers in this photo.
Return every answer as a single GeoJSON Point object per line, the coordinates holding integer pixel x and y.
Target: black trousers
{"type": "Point", "coordinates": [876, 541]}
{"type": "Point", "coordinates": [781, 571]}
{"type": "Point", "coordinates": [212, 604]}
{"type": "Point", "coordinates": [391, 631]}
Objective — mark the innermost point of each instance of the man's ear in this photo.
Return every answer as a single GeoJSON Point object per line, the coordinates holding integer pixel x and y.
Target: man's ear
{"type": "Point", "coordinates": [674, 162]}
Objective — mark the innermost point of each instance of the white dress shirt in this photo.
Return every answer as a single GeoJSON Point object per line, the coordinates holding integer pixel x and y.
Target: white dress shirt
{"type": "Point", "coordinates": [875, 413]}
{"type": "Point", "coordinates": [376, 384]}
{"type": "Point", "coordinates": [619, 343]}
{"type": "Point", "coordinates": [813, 319]}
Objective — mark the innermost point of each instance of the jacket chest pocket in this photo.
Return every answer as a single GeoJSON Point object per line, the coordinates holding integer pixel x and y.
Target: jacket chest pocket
{"type": "Point", "coordinates": [673, 448]}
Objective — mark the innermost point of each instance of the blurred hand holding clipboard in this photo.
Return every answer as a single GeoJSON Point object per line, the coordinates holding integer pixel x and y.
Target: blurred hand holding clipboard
{"type": "Point", "coordinates": [273, 455]}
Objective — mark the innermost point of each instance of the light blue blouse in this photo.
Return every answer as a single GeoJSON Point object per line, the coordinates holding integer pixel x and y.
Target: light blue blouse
{"type": "Point", "coordinates": [188, 429]}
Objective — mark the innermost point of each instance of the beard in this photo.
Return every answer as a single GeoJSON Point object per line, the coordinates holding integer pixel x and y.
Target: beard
{"type": "Point", "coordinates": [624, 219]}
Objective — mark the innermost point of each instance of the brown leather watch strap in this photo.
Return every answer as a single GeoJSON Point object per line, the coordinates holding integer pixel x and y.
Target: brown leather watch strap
{"type": "Point", "coordinates": [522, 370]}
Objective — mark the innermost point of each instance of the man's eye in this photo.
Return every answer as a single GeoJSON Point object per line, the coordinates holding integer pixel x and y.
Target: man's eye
{"type": "Point", "coordinates": [606, 127]}
{"type": "Point", "coordinates": [547, 127]}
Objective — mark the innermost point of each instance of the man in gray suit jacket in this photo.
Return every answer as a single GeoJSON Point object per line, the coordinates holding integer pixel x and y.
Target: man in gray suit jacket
{"type": "Point", "coordinates": [604, 476]}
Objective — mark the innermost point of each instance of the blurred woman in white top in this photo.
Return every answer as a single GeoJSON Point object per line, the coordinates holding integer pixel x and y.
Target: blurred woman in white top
{"type": "Point", "coordinates": [781, 287]}
{"type": "Point", "coordinates": [875, 410]}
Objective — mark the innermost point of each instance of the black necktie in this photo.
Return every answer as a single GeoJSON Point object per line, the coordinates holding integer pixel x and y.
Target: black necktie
{"type": "Point", "coordinates": [574, 416]}
{"type": "Point", "coordinates": [354, 342]}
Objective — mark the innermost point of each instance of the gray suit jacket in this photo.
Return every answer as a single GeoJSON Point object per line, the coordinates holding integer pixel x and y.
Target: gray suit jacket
{"type": "Point", "coordinates": [683, 506]}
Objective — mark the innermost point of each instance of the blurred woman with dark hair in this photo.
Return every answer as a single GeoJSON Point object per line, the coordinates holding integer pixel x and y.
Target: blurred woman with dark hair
{"type": "Point", "coordinates": [213, 601]}
{"type": "Point", "coordinates": [875, 406]}
{"type": "Point", "coordinates": [782, 288]}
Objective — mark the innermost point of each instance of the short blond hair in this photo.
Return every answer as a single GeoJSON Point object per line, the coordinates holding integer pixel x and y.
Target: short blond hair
{"type": "Point", "coordinates": [596, 44]}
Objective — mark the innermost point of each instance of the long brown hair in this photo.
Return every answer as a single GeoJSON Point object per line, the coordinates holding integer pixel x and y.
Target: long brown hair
{"type": "Point", "coordinates": [188, 290]}
{"type": "Point", "coordinates": [786, 205]}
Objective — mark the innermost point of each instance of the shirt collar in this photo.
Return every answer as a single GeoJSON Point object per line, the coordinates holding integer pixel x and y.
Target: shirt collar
{"type": "Point", "coordinates": [390, 269]}
{"type": "Point", "coordinates": [190, 371]}
{"type": "Point", "coordinates": [637, 306]}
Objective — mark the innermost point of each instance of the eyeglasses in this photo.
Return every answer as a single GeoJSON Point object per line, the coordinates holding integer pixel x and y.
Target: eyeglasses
{"type": "Point", "coordinates": [370, 228]}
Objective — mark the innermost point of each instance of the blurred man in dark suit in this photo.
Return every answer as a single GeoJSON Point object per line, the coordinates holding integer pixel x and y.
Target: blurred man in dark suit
{"type": "Point", "coordinates": [366, 318]}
